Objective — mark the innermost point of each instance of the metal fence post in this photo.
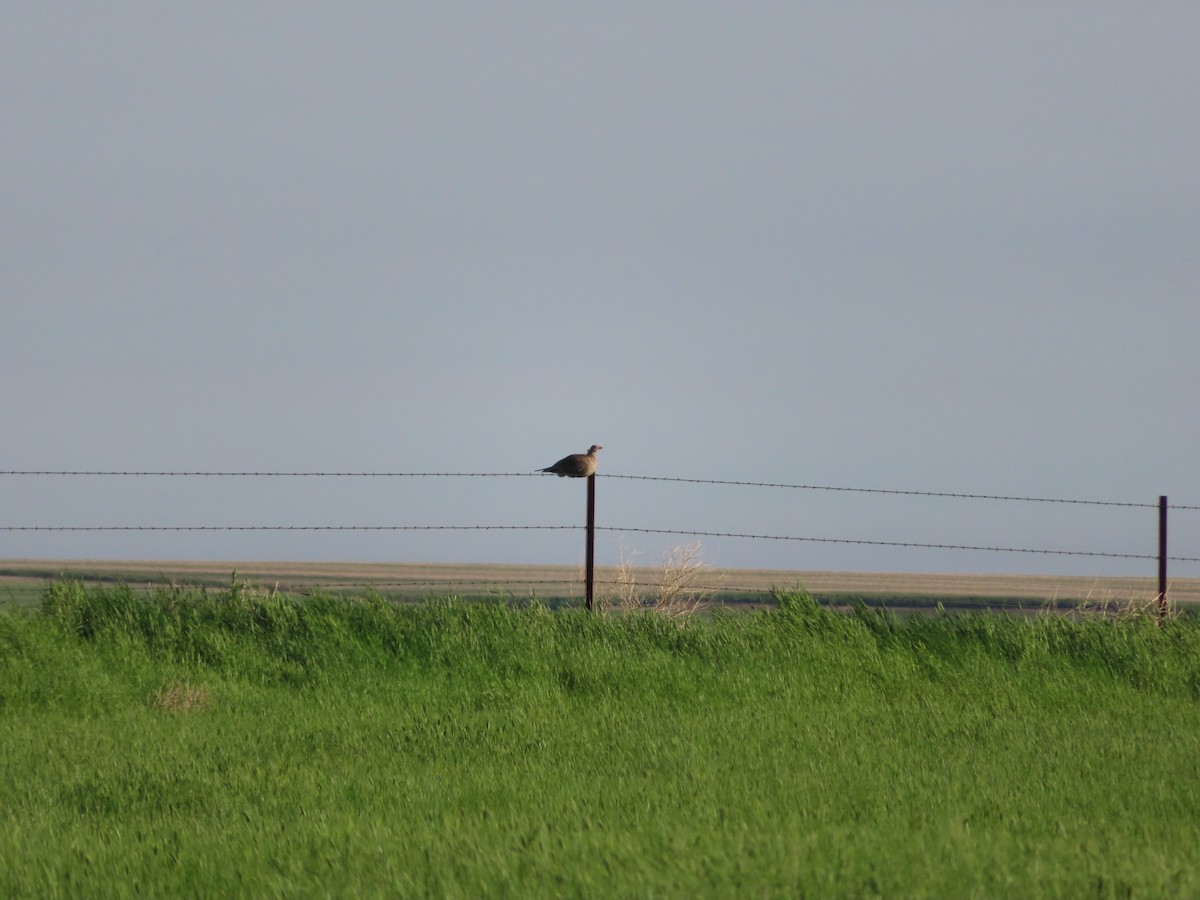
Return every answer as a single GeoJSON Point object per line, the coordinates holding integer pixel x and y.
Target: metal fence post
{"type": "Point", "coordinates": [590, 568]}
{"type": "Point", "coordinates": [1162, 557]}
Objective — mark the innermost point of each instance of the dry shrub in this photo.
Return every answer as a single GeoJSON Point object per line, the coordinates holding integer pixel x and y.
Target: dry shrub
{"type": "Point", "coordinates": [678, 589]}
{"type": "Point", "coordinates": [626, 596]}
{"type": "Point", "coordinates": [181, 697]}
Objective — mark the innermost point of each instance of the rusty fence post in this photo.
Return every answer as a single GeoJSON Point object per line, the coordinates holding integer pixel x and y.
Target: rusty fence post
{"type": "Point", "coordinates": [590, 567]}
{"type": "Point", "coordinates": [1162, 557]}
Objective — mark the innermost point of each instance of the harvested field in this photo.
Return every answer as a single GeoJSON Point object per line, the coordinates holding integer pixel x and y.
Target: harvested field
{"type": "Point", "coordinates": [415, 581]}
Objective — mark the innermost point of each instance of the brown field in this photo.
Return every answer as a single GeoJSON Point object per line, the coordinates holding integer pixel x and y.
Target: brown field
{"type": "Point", "coordinates": [21, 579]}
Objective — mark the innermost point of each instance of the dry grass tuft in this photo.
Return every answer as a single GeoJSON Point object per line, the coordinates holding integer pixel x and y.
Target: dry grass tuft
{"type": "Point", "coordinates": [1106, 604]}
{"type": "Point", "coordinates": [180, 697]}
{"type": "Point", "coordinates": [243, 591]}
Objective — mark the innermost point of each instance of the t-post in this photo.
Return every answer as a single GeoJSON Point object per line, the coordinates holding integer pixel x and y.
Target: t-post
{"type": "Point", "coordinates": [590, 556]}
{"type": "Point", "coordinates": [1162, 557]}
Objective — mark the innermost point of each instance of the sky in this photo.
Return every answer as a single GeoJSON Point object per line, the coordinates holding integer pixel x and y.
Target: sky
{"type": "Point", "coordinates": [917, 247]}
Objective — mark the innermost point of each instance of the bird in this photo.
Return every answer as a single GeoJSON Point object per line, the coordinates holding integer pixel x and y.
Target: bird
{"type": "Point", "coordinates": [577, 465]}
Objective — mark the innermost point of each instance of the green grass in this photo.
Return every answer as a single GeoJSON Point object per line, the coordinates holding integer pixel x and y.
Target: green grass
{"type": "Point", "coordinates": [227, 744]}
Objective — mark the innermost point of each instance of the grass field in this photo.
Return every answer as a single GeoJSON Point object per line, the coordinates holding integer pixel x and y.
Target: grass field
{"type": "Point", "coordinates": [238, 743]}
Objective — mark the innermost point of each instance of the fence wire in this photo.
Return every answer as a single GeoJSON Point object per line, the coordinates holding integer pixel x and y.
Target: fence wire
{"type": "Point", "coordinates": [642, 530]}
{"type": "Point", "coordinates": [956, 495]}
{"type": "Point", "coordinates": [627, 530]}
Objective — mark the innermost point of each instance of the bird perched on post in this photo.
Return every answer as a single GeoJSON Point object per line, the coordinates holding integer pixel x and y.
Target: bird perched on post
{"type": "Point", "coordinates": [577, 465]}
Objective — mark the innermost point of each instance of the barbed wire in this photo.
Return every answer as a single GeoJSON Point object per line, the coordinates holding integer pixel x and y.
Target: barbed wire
{"type": "Point", "coordinates": [958, 495]}
{"type": "Point", "coordinates": [893, 491]}
{"type": "Point", "coordinates": [910, 544]}
{"type": "Point", "coordinates": [290, 527]}
{"type": "Point", "coordinates": [630, 530]}
{"type": "Point", "coordinates": [708, 582]}
{"type": "Point", "coordinates": [137, 473]}
{"type": "Point", "coordinates": [500, 585]}
{"type": "Point", "coordinates": [715, 589]}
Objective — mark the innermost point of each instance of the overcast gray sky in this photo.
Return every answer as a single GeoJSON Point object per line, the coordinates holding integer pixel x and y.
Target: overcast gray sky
{"type": "Point", "coordinates": [917, 246]}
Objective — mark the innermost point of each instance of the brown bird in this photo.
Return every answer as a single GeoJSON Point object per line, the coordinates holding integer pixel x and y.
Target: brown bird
{"type": "Point", "coordinates": [577, 465]}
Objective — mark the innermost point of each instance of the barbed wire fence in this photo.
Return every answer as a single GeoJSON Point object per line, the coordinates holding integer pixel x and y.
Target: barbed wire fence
{"type": "Point", "coordinates": [1162, 557]}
